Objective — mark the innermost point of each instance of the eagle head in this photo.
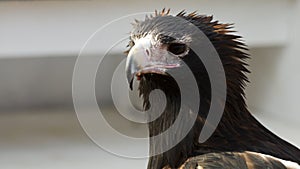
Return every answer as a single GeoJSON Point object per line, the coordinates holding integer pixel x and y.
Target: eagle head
{"type": "Point", "coordinates": [162, 44]}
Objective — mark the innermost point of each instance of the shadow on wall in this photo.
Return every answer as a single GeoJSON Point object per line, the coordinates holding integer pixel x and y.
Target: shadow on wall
{"type": "Point", "coordinates": [47, 81]}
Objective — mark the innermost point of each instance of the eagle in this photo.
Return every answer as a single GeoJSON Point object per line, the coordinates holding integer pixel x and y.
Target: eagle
{"type": "Point", "coordinates": [158, 46]}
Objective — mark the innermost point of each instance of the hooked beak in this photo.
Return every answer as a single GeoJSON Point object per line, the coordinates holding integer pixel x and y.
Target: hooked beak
{"type": "Point", "coordinates": [144, 57]}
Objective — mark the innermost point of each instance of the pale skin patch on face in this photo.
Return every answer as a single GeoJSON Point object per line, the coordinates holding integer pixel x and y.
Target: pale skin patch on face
{"type": "Point", "coordinates": [156, 44]}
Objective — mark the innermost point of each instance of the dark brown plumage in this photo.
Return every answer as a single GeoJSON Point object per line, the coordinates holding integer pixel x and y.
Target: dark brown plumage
{"type": "Point", "coordinates": [237, 132]}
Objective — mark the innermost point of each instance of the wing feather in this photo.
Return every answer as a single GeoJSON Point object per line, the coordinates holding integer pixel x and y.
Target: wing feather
{"type": "Point", "coordinates": [236, 160]}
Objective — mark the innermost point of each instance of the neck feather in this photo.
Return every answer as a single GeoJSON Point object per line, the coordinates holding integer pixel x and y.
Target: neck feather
{"type": "Point", "coordinates": [237, 131]}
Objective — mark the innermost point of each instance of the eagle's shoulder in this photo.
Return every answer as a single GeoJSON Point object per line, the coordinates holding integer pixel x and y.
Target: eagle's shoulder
{"type": "Point", "coordinates": [237, 160]}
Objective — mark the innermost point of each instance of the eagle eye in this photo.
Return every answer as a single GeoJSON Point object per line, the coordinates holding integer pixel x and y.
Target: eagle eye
{"type": "Point", "coordinates": [177, 48]}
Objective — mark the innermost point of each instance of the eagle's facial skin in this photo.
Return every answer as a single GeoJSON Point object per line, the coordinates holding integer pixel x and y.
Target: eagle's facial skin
{"type": "Point", "coordinates": [152, 54]}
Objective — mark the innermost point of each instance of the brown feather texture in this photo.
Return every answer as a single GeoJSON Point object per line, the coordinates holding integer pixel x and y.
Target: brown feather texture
{"type": "Point", "coordinates": [237, 132]}
{"type": "Point", "coordinates": [234, 160]}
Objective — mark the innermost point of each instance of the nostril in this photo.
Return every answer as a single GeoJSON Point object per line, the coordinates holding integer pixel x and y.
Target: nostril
{"type": "Point", "coordinates": [147, 52]}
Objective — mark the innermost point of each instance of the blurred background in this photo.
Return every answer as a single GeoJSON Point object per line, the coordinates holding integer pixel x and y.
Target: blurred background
{"type": "Point", "coordinates": [39, 44]}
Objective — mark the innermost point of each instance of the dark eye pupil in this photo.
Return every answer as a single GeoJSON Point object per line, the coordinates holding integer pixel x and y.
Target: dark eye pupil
{"type": "Point", "coordinates": [177, 48]}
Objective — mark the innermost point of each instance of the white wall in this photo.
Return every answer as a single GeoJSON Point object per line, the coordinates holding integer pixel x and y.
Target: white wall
{"type": "Point", "coordinates": [276, 74]}
{"type": "Point", "coordinates": [38, 28]}
{"type": "Point", "coordinates": [48, 30]}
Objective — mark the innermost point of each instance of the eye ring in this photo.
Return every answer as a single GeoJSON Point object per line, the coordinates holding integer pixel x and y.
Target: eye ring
{"type": "Point", "coordinates": [177, 48]}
